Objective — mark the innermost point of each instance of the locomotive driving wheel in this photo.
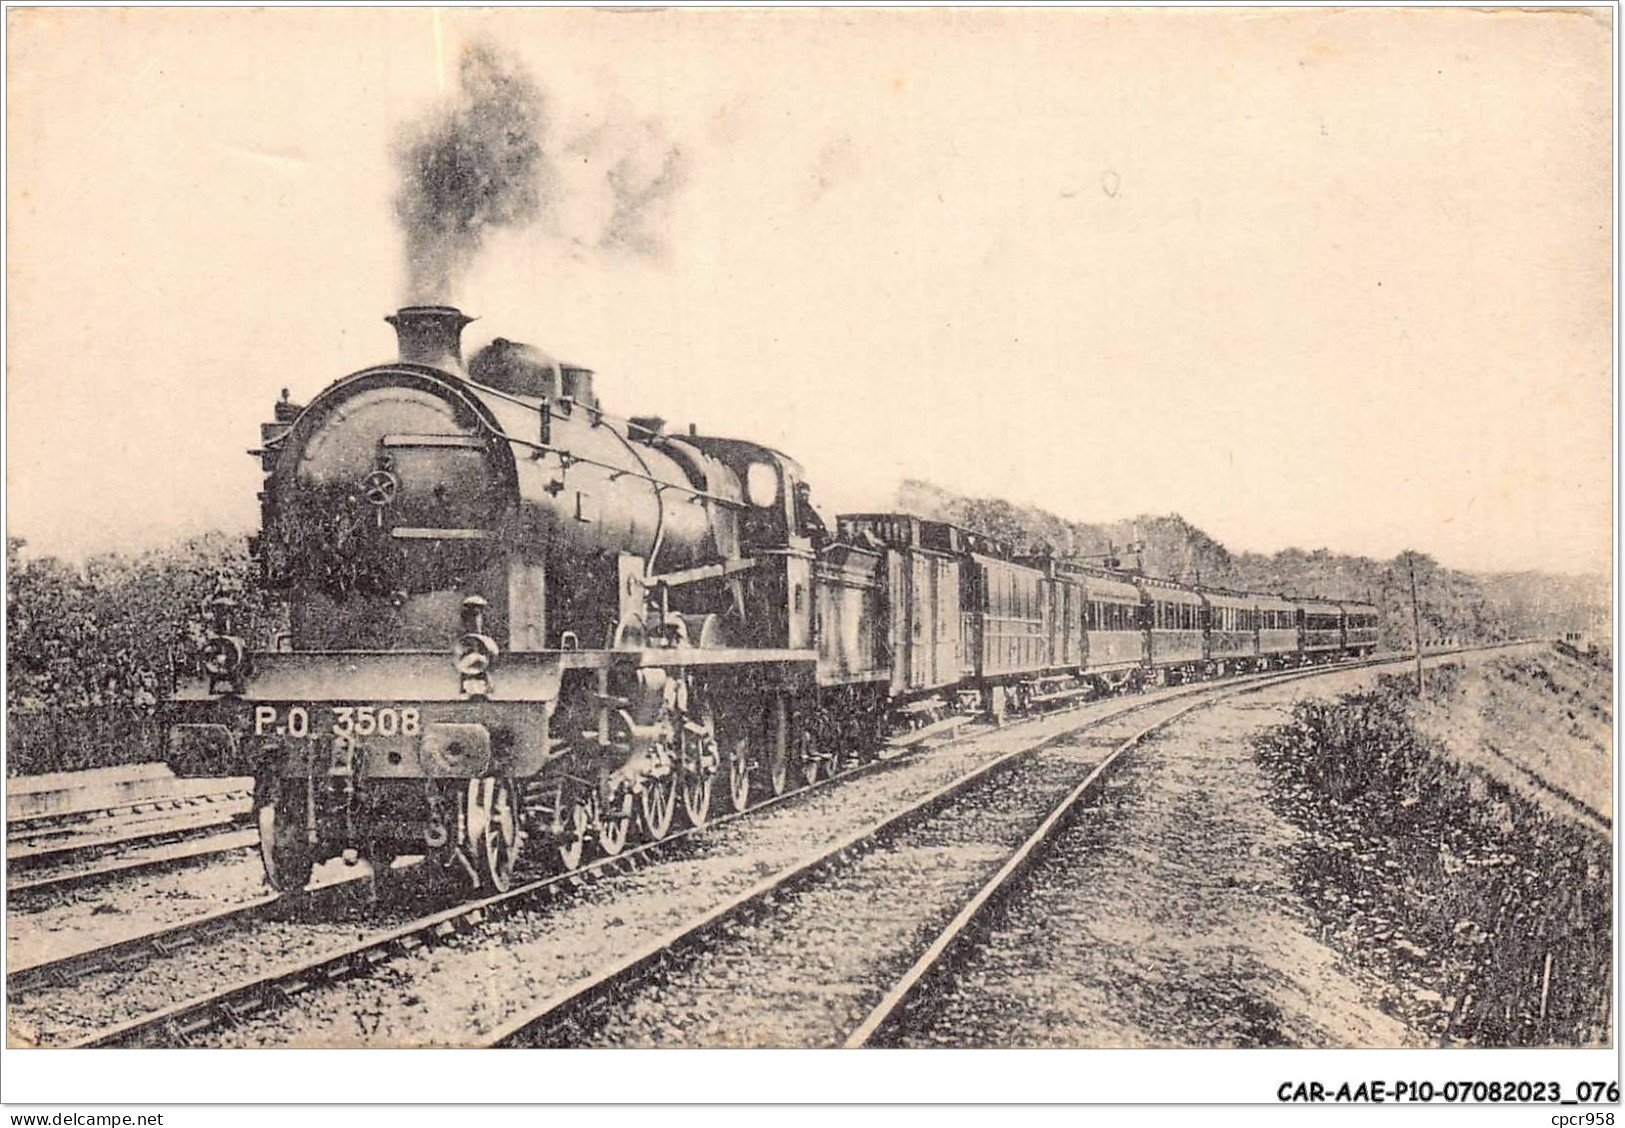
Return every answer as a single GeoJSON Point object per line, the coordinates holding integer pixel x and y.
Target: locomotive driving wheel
{"type": "Point", "coordinates": [697, 765]}
{"type": "Point", "coordinates": [736, 740]}
{"type": "Point", "coordinates": [778, 747]}
{"type": "Point", "coordinates": [288, 857]}
{"type": "Point", "coordinates": [492, 821]}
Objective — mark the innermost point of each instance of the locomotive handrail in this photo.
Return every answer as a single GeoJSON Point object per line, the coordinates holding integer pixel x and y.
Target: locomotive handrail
{"type": "Point", "coordinates": [599, 413]}
{"type": "Point", "coordinates": [703, 572]}
{"type": "Point", "coordinates": [658, 482]}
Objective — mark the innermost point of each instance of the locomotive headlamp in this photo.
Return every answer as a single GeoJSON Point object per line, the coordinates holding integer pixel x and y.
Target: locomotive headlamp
{"type": "Point", "coordinates": [473, 657]}
{"type": "Point", "coordinates": [475, 650]}
{"type": "Point", "coordinates": [223, 656]}
{"type": "Point", "coordinates": [474, 654]}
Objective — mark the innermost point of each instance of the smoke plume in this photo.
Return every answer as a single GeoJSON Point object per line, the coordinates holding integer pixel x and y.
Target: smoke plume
{"type": "Point", "coordinates": [476, 164]}
{"type": "Point", "coordinates": [486, 160]}
{"type": "Point", "coordinates": [620, 179]}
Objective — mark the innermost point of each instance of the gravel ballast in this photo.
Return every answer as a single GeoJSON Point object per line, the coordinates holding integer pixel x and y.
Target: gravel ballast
{"type": "Point", "coordinates": [1166, 915]}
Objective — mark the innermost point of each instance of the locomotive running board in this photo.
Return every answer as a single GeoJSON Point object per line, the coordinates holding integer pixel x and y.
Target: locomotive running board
{"type": "Point", "coordinates": [405, 532]}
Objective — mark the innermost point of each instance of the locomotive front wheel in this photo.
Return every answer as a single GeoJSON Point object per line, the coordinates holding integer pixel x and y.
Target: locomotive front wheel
{"type": "Point", "coordinates": [288, 858]}
{"type": "Point", "coordinates": [615, 826]}
{"type": "Point", "coordinates": [657, 807]}
{"type": "Point", "coordinates": [493, 832]}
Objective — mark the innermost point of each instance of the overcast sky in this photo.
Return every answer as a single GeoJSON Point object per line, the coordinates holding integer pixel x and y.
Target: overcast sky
{"type": "Point", "coordinates": [1309, 279]}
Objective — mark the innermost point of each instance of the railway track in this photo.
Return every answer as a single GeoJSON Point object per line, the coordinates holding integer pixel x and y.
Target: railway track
{"type": "Point", "coordinates": [712, 967]}
{"type": "Point", "coordinates": [190, 1021]}
{"type": "Point", "coordinates": [719, 956]}
{"type": "Point", "coordinates": [40, 831]}
{"type": "Point", "coordinates": [884, 1022]}
{"type": "Point", "coordinates": [75, 867]}
{"type": "Point", "coordinates": [892, 1019]}
{"type": "Point", "coordinates": [65, 851]}
{"type": "Point", "coordinates": [132, 953]}
{"type": "Point", "coordinates": [186, 1022]}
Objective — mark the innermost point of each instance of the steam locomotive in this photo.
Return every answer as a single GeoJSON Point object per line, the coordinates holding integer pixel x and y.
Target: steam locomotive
{"type": "Point", "coordinates": [518, 622]}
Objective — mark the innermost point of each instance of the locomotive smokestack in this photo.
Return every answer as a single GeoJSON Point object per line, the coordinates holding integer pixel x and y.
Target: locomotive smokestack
{"type": "Point", "coordinates": [431, 335]}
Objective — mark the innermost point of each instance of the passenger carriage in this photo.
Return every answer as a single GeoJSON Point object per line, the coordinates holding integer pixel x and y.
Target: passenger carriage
{"type": "Point", "coordinates": [1006, 609]}
{"type": "Point", "coordinates": [1359, 629]}
{"type": "Point", "coordinates": [1230, 622]}
{"type": "Point", "coordinates": [1115, 651]}
{"type": "Point", "coordinates": [1172, 614]}
{"type": "Point", "coordinates": [1277, 631]}
{"type": "Point", "coordinates": [1320, 628]}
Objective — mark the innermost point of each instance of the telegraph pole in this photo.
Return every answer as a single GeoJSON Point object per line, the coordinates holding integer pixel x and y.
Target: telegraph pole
{"type": "Point", "coordinates": [1416, 625]}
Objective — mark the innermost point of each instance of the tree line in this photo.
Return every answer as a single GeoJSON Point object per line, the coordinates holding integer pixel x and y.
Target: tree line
{"type": "Point", "coordinates": [93, 647]}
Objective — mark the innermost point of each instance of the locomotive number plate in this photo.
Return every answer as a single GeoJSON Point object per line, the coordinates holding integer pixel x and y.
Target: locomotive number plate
{"type": "Point", "coordinates": [338, 720]}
